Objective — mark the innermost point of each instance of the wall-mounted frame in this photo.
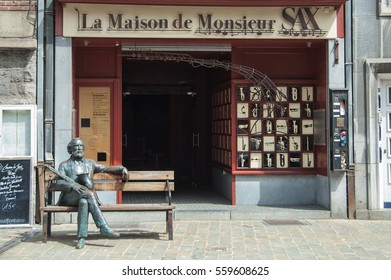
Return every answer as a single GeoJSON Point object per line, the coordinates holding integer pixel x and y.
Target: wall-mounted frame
{"type": "Point", "coordinates": [94, 124]}
{"type": "Point", "coordinates": [339, 129]}
{"type": "Point", "coordinates": [273, 133]}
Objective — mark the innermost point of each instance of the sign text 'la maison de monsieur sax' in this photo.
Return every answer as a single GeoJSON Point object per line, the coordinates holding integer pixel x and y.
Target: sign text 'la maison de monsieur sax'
{"type": "Point", "coordinates": [125, 21]}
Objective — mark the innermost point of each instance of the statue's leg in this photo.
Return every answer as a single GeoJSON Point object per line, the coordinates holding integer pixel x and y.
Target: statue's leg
{"type": "Point", "coordinates": [98, 217]}
{"type": "Point", "coordinates": [95, 211]}
{"type": "Point", "coordinates": [82, 223]}
{"type": "Point", "coordinates": [82, 219]}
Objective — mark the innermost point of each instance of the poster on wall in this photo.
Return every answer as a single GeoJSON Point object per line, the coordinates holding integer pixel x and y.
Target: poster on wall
{"type": "Point", "coordinates": [94, 122]}
{"type": "Point", "coordinates": [15, 182]}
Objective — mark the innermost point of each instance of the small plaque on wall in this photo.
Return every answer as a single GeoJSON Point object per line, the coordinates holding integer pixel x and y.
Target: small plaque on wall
{"type": "Point", "coordinates": [102, 157]}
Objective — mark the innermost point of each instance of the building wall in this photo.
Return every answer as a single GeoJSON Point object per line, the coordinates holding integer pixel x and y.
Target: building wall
{"type": "Point", "coordinates": [366, 44]}
{"type": "Point", "coordinates": [371, 52]}
{"type": "Point", "coordinates": [18, 82]}
{"type": "Point", "coordinates": [327, 190]}
{"type": "Point", "coordinates": [17, 19]}
{"type": "Point", "coordinates": [274, 190]}
{"type": "Point", "coordinates": [17, 52]}
{"type": "Point", "coordinates": [18, 76]}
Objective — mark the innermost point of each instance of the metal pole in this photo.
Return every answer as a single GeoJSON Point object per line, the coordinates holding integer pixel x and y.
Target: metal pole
{"type": "Point", "coordinates": [49, 81]}
{"type": "Point", "coordinates": [40, 79]}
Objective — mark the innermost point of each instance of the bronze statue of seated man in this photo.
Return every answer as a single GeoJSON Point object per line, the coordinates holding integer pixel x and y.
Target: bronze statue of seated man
{"type": "Point", "coordinates": [81, 171]}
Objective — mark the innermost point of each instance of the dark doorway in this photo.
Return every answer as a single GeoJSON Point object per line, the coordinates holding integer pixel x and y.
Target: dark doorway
{"type": "Point", "coordinates": [166, 120]}
{"type": "Point", "coordinates": [161, 132]}
{"type": "Point", "coordinates": [146, 131]}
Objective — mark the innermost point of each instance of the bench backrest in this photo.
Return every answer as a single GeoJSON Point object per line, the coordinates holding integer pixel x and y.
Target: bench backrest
{"type": "Point", "coordinates": [150, 180]}
{"type": "Point", "coordinates": [154, 180]}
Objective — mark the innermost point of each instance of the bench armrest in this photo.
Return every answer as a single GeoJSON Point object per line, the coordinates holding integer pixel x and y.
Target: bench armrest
{"type": "Point", "coordinates": [168, 192]}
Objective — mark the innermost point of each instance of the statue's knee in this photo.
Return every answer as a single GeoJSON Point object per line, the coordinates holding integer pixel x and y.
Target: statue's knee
{"type": "Point", "coordinates": [88, 195]}
{"type": "Point", "coordinates": [83, 203]}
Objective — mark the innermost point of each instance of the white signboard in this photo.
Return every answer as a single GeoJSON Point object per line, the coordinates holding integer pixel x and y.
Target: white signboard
{"type": "Point", "coordinates": [136, 21]}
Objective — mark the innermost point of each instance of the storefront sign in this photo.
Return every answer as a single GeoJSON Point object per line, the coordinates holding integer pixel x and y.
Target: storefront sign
{"type": "Point", "coordinates": [83, 20]}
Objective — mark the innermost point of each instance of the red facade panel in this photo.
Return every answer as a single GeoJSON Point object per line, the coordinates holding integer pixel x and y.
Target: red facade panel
{"type": "Point", "coordinates": [279, 65]}
{"type": "Point", "coordinates": [96, 62]}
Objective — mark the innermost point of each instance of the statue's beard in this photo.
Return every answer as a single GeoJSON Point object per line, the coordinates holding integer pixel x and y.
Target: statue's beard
{"type": "Point", "coordinates": [78, 154]}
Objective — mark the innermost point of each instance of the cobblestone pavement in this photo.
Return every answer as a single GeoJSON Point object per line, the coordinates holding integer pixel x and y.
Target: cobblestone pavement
{"type": "Point", "coordinates": [209, 240]}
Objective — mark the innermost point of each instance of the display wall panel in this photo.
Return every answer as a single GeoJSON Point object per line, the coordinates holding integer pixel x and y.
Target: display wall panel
{"type": "Point", "coordinates": [273, 132]}
{"type": "Point", "coordinates": [221, 127]}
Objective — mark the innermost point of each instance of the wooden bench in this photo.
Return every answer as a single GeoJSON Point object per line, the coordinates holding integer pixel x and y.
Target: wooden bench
{"type": "Point", "coordinates": [140, 181]}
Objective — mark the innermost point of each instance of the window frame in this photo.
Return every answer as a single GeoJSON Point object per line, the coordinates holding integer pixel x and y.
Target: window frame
{"type": "Point", "coordinates": [33, 117]}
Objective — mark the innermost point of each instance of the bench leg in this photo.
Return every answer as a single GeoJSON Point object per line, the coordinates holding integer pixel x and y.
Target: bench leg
{"type": "Point", "coordinates": [50, 215]}
{"type": "Point", "coordinates": [45, 218]}
{"type": "Point", "coordinates": [46, 226]}
{"type": "Point", "coordinates": [169, 225]}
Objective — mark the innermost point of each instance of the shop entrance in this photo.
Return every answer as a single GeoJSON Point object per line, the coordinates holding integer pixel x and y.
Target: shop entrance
{"type": "Point", "coordinates": [166, 120]}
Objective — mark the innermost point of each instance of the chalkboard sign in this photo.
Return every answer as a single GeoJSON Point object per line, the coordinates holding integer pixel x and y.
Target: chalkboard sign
{"type": "Point", "coordinates": [15, 191]}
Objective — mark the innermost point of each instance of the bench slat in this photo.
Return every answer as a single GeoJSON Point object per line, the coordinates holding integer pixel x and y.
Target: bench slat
{"type": "Point", "coordinates": [133, 186]}
{"type": "Point", "coordinates": [128, 186]}
{"type": "Point", "coordinates": [151, 175]}
{"type": "Point", "coordinates": [137, 207]}
{"type": "Point", "coordinates": [144, 175]}
{"type": "Point", "coordinates": [113, 207]}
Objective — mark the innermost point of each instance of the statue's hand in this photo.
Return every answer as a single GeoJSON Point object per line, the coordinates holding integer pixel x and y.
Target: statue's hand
{"type": "Point", "coordinates": [79, 188]}
{"type": "Point", "coordinates": [124, 173]}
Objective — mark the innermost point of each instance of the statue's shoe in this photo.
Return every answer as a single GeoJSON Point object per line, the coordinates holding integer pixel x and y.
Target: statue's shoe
{"type": "Point", "coordinates": [81, 243]}
{"type": "Point", "coordinates": [108, 232]}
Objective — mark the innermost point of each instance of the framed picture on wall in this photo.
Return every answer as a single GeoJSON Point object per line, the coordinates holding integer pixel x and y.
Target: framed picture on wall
{"type": "Point", "coordinates": [275, 130]}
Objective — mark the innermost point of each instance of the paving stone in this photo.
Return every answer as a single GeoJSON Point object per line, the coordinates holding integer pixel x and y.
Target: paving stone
{"type": "Point", "coordinates": [209, 240]}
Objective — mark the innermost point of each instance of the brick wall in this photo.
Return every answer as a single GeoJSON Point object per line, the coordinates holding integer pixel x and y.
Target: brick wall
{"type": "Point", "coordinates": [17, 5]}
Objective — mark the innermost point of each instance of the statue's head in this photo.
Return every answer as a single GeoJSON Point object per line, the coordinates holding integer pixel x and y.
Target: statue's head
{"type": "Point", "coordinates": [76, 148]}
